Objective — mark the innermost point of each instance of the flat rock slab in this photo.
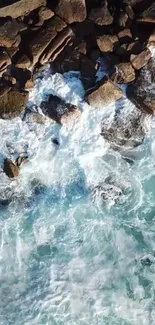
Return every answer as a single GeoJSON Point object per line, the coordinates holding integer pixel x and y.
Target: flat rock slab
{"type": "Point", "coordinates": [103, 94]}
{"type": "Point", "coordinates": [21, 8]}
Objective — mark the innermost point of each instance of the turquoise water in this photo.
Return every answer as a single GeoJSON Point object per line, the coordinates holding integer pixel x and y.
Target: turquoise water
{"type": "Point", "coordinates": [67, 255]}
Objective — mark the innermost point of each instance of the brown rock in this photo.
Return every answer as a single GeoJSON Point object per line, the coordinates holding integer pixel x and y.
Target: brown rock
{"type": "Point", "coordinates": [103, 94]}
{"type": "Point", "coordinates": [71, 10]}
{"type": "Point", "coordinates": [9, 79]}
{"type": "Point", "coordinates": [82, 48]}
{"type": "Point", "coordinates": [106, 43]}
{"type": "Point", "coordinates": [4, 61]}
{"type": "Point", "coordinates": [140, 60]}
{"type": "Point", "coordinates": [101, 16]}
{"type": "Point", "coordinates": [23, 62]}
{"type": "Point", "coordinates": [21, 8]}
{"type": "Point", "coordinates": [44, 37]}
{"type": "Point", "coordinates": [124, 73]}
{"type": "Point", "coordinates": [9, 34]}
{"type": "Point", "coordinates": [56, 46]}
{"type": "Point", "coordinates": [10, 169]}
{"type": "Point", "coordinates": [134, 47]}
{"type": "Point", "coordinates": [13, 103]}
{"type": "Point", "coordinates": [129, 11]}
{"type": "Point", "coordinates": [21, 75]}
{"type": "Point", "coordinates": [125, 35]}
{"type": "Point", "coordinates": [123, 20]}
{"type": "Point", "coordinates": [45, 13]}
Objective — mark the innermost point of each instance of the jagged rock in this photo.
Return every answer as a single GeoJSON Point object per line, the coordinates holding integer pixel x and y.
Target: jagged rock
{"type": "Point", "coordinates": [124, 73]}
{"type": "Point", "coordinates": [45, 13]}
{"type": "Point", "coordinates": [123, 20]}
{"type": "Point", "coordinates": [10, 169]}
{"type": "Point", "coordinates": [101, 15]}
{"type": "Point", "coordinates": [57, 46]}
{"type": "Point", "coordinates": [142, 92]}
{"type": "Point", "coordinates": [21, 75]}
{"type": "Point", "coordinates": [21, 8]}
{"type": "Point", "coordinates": [71, 10]}
{"type": "Point", "coordinates": [12, 103]}
{"type": "Point", "coordinates": [103, 94]}
{"type": "Point", "coordinates": [140, 60]}
{"type": "Point", "coordinates": [106, 43]}
{"type": "Point", "coordinates": [60, 111]}
{"type": "Point", "coordinates": [44, 37]}
{"type": "Point", "coordinates": [21, 160]}
{"type": "Point", "coordinates": [4, 61]}
{"type": "Point", "coordinates": [9, 33]}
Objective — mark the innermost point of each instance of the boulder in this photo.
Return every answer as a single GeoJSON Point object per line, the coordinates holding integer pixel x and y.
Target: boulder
{"type": "Point", "coordinates": [103, 94]}
{"type": "Point", "coordinates": [106, 43]}
{"type": "Point", "coordinates": [5, 60]}
{"type": "Point", "coordinates": [22, 62]}
{"type": "Point", "coordinates": [12, 103]}
{"type": "Point", "coordinates": [44, 37]}
{"type": "Point", "coordinates": [124, 73]}
{"type": "Point", "coordinates": [140, 60]}
{"type": "Point", "coordinates": [59, 111]}
{"type": "Point", "coordinates": [10, 169]}
{"type": "Point", "coordinates": [101, 15]}
{"type": "Point", "coordinates": [21, 8]}
{"type": "Point", "coordinates": [142, 92]}
{"type": "Point", "coordinates": [45, 13]}
{"type": "Point", "coordinates": [21, 75]}
{"type": "Point", "coordinates": [71, 10]}
{"type": "Point", "coordinates": [9, 33]}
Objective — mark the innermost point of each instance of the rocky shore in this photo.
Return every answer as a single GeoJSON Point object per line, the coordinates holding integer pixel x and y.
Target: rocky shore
{"type": "Point", "coordinates": [77, 35]}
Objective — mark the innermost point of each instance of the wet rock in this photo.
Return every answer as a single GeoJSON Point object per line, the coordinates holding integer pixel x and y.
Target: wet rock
{"type": "Point", "coordinates": [21, 8]}
{"type": "Point", "coordinates": [126, 129]}
{"type": "Point", "coordinates": [9, 33]}
{"type": "Point", "coordinates": [124, 73]}
{"type": "Point", "coordinates": [142, 92]}
{"type": "Point", "coordinates": [23, 61]}
{"type": "Point", "coordinates": [34, 117]}
{"type": "Point", "coordinates": [59, 111]}
{"type": "Point", "coordinates": [103, 94]}
{"type": "Point", "coordinates": [106, 43]}
{"type": "Point", "coordinates": [140, 60]}
{"type": "Point", "coordinates": [10, 169]}
{"type": "Point", "coordinates": [21, 160]}
{"type": "Point", "coordinates": [146, 261]}
{"type": "Point", "coordinates": [101, 15]}
{"type": "Point", "coordinates": [12, 103]}
{"type": "Point", "coordinates": [44, 37]}
{"type": "Point", "coordinates": [21, 75]}
{"type": "Point", "coordinates": [71, 10]}
{"type": "Point", "coordinates": [107, 192]}
{"type": "Point", "coordinates": [55, 142]}
{"type": "Point", "coordinates": [134, 47]}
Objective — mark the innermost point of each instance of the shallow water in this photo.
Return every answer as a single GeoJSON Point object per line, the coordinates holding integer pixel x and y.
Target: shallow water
{"type": "Point", "coordinates": [67, 255]}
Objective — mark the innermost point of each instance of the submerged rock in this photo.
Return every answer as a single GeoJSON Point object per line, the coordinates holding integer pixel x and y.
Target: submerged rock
{"type": "Point", "coordinates": [10, 169]}
{"type": "Point", "coordinates": [107, 192]}
{"type": "Point", "coordinates": [103, 94]}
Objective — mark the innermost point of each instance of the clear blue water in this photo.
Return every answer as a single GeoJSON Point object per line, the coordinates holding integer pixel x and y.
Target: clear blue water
{"type": "Point", "coordinates": [67, 257]}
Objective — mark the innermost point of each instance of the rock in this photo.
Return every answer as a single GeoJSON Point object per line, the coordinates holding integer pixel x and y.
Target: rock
{"type": "Point", "coordinates": [9, 79]}
{"type": "Point", "coordinates": [124, 73]}
{"type": "Point", "coordinates": [103, 94]}
{"type": "Point", "coordinates": [4, 61]}
{"type": "Point", "coordinates": [44, 37]}
{"type": "Point", "coordinates": [94, 55]}
{"type": "Point", "coordinates": [126, 128]}
{"type": "Point", "coordinates": [106, 43]}
{"type": "Point", "coordinates": [10, 169]}
{"type": "Point", "coordinates": [107, 193]}
{"type": "Point", "coordinates": [123, 20]}
{"type": "Point", "coordinates": [135, 47]}
{"type": "Point", "coordinates": [23, 61]}
{"type": "Point", "coordinates": [12, 103]}
{"type": "Point", "coordinates": [142, 92]}
{"type": "Point", "coordinates": [21, 160]}
{"type": "Point", "coordinates": [21, 8]}
{"type": "Point", "coordinates": [140, 60]}
{"type": "Point", "coordinates": [57, 46]}
{"type": "Point", "coordinates": [60, 111]}
{"type": "Point", "coordinates": [45, 13]}
{"type": "Point", "coordinates": [125, 36]}
{"type": "Point", "coordinates": [101, 16]}
{"type": "Point", "coordinates": [82, 47]}
{"type": "Point", "coordinates": [21, 75]}
{"type": "Point", "coordinates": [129, 11]}
{"type": "Point", "coordinates": [71, 10]}
{"type": "Point", "coordinates": [9, 33]}
{"type": "Point", "coordinates": [87, 67]}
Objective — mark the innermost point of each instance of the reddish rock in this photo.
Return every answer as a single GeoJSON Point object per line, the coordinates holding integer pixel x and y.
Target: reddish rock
{"type": "Point", "coordinates": [103, 94]}
{"type": "Point", "coordinates": [101, 16]}
{"type": "Point", "coordinates": [106, 43]}
{"type": "Point", "coordinates": [44, 37]}
{"type": "Point", "coordinates": [124, 73]}
{"type": "Point", "coordinates": [21, 8]}
{"type": "Point", "coordinates": [140, 60]}
{"type": "Point", "coordinates": [71, 10]}
{"type": "Point", "coordinates": [10, 169]}
{"type": "Point", "coordinates": [9, 34]}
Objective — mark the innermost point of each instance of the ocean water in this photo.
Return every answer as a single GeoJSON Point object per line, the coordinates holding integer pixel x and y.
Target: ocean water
{"type": "Point", "coordinates": [77, 228]}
